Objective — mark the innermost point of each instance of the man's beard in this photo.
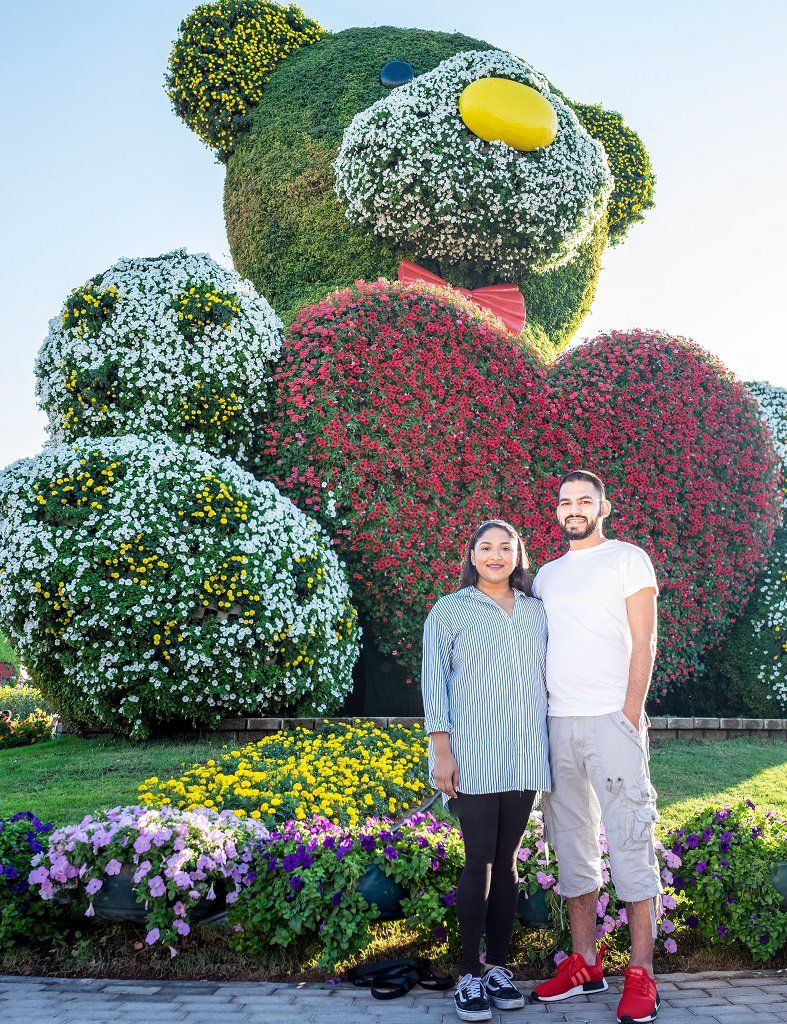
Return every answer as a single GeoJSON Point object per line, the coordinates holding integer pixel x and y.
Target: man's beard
{"type": "Point", "coordinates": [579, 532]}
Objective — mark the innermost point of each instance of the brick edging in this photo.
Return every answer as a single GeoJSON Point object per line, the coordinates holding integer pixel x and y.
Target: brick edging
{"type": "Point", "coordinates": [661, 728]}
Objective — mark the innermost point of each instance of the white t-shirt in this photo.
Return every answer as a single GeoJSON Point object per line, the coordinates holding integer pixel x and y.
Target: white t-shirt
{"type": "Point", "coordinates": [589, 650]}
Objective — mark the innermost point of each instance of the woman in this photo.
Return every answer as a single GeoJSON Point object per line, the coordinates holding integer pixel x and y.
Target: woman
{"type": "Point", "coordinates": [485, 711]}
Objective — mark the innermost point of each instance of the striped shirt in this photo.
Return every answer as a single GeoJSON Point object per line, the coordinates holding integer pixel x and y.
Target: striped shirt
{"type": "Point", "coordinates": [483, 682]}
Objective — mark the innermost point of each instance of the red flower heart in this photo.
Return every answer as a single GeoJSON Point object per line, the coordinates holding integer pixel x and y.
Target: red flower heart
{"type": "Point", "coordinates": [403, 417]}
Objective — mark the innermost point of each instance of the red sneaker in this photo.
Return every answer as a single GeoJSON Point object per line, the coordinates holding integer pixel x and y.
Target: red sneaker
{"type": "Point", "coordinates": [640, 999]}
{"type": "Point", "coordinates": [574, 978]}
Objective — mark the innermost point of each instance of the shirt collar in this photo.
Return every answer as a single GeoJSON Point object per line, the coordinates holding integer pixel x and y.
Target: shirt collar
{"type": "Point", "coordinates": [479, 595]}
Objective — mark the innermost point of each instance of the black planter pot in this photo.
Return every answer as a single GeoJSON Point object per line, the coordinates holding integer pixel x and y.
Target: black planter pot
{"type": "Point", "coordinates": [376, 887]}
{"type": "Point", "coordinates": [117, 901]}
{"type": "Point", "coordinates": [533, 910]}
{"type": "Point", "coordinates": [778, 872]}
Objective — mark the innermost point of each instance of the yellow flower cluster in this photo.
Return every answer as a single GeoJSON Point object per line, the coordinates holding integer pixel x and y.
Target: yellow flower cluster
{"type": "Point", "coordinates": [163, 640]}
{"type": "Point", "coordinates": [86, 308]}
{"type": "Point", "coordinates": [629, 163]}
{"type": "Point", "coordinates": [85, 488]}
{"type": "Point", "coordinates": [57, 597]}
{"type": "Point", "coordinates": [224, 589]}
{"type": "Point", "coordinates": [134, 560]}
{"type": "Point", "coordinates": [345, 771]}
{"type": "Point", "coordinates": [84, 398]}
{"type": "Point", "coordinates": [224, 57]}
{"type": "Point", "coordinates": [202, 305]}
{"type": "Point", "coordinates": [204, 409]}
{"type": "Point", "coordinates": [215, 499]}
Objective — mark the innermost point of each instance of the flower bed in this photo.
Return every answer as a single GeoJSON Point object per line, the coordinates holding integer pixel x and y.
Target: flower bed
{"type": "Point", "coordinates": [305, 893]}
{"type": "Point", "coordinates": [24, 918]}
{"type": "Point", "coordinates": [22, 732]}
{"type": "Point", "coordinates": [146, 582]}
{"type": "Point", "coordinates": [177, 858]}
{"type": "Point", "coordinates": [718, 868]}
{"type": "Point", "coordinates": [345, 772]}
{"type": "Point", "coordinates": [176, 344]}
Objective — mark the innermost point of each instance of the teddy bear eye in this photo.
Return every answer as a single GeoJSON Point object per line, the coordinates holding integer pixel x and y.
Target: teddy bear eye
{"type": "Point", "coordinates": [396, 72]}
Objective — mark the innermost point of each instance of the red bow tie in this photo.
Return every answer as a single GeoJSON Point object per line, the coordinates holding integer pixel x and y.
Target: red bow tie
{"type": "Point", "coordinates": [504, 300]}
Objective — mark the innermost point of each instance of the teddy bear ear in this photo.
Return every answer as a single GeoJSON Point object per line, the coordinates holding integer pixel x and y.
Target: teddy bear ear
{"type": "Point", "coordinates": [629, 163]}
{"type": "Point", "coordinates": [222, 59]}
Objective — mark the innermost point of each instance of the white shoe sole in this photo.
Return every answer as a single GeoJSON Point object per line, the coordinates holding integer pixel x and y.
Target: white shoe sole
{"type": "Point", "coordinates": [507, 1004]}
{"type": "Point", "coordinates": [473, 1014]}
{"type": "Point", "coordinates": [590, 988]}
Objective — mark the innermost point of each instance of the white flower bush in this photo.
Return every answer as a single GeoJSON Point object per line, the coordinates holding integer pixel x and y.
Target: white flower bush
{"type": "Point", "coordinates": [174, 344]}
{"type": "Point", "coordinates": [410, 169]}
{"type": "Point", "coordinates": [147, 582]}
{"type": "Point", "coordinates": [770, 602]}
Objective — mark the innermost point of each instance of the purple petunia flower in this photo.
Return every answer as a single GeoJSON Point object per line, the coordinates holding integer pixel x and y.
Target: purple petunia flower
{"type": "Point", "coordinates": [296, 882]}
{"type": "Point", "coordinates": [730, 899]}
{"type": "Point", "coordinates": [391, 853]}
{"type": "Point", "coordinates": [449, 899]}
{"type": "Point", "coordinates": [671, 945]}
{"type": "Point", "coordinates": [367, 843]}
{"type": "Point", "coordinates": [722, 930]}
{"type": "Point", "coordinates": [701, 866]}
{"type": "Point", "coordinates": [692, 841]}
{"type": "Point", "coordinates": [692, 921]}
{"type": "Point", "coordinates": [152, 936]}
{"type": "Point", "coordinates": [440, 933]}
{"type": "Point", "coordinates": [707, 833]}
{"type": "Point", "coordinates": [336, 899]}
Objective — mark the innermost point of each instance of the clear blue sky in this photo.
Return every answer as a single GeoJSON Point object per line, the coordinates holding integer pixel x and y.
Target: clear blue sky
{"type": "Point", "coordinates": [96, 166]}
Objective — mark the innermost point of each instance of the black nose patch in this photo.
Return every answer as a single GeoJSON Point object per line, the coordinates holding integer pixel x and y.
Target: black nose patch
{"type": "Point", "coordinates": [396, 72]}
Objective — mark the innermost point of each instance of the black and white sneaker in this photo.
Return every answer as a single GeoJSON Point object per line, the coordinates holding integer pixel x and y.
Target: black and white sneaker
{"type": "Point", "coordinates": [470, 999]}
{"type": "Point", "coordinates": [500, 991]}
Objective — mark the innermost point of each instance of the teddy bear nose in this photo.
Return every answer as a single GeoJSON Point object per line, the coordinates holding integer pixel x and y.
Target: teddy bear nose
{"type": "Point", "coordinates": [500, 110]}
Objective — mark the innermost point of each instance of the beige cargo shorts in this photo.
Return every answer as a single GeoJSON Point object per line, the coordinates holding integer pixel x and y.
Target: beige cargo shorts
{"type": "Point", "coordinates": [600, 772]}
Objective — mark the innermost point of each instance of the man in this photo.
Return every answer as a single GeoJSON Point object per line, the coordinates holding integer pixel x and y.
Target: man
{"type": "Point", "coordinates": [600, 601]}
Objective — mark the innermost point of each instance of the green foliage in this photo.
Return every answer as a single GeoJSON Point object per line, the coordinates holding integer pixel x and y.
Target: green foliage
{"type": "Point", "coordinates": [629, 163]}
{"type": "Point", "coordinates": [8, 654]}
{"type": "Point", "coordinates": [21, 700]}
{"type": "Point", "coordinates": [289, 235]}
{"type": "Point", "coordinates": [747, 673]}
{"type": "Point", "coordinates": [223, 58]}
{"type": "Point", "coordinates": [34, 728]}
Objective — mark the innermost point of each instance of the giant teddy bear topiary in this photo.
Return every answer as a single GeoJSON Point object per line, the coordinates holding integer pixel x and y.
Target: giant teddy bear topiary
{"type": "Point", "coordinates": [401, 416]}
{"type": "Point", "coordinates": [334, 177]}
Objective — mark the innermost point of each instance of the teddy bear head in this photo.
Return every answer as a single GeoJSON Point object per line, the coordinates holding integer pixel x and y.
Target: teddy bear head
{"type": "Point", "coordinates": [348, 154]}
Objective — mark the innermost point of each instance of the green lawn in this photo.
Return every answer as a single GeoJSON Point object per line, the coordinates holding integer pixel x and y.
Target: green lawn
{"type": "Point", "coordinates": [65, 779]}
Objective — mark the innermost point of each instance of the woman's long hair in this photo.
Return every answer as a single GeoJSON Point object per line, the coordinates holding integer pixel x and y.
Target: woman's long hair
{"type": "Point", "coordinates": [520, 578]}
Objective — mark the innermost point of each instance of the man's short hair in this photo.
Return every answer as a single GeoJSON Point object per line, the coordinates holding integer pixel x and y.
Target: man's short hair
{"type": "Point", "coordinates": [588, 477]}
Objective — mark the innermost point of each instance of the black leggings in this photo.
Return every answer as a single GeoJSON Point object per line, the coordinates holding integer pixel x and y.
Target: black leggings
{"type": "Point", "coordinates": [492, 826]}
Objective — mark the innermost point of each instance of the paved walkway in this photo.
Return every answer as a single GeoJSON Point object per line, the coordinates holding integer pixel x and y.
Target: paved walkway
{"type": "Point", "coordinates": [758, 997]}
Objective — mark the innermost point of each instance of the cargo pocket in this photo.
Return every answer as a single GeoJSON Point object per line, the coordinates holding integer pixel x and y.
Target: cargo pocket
{"type": "Point", "coordinates": [642, 815]}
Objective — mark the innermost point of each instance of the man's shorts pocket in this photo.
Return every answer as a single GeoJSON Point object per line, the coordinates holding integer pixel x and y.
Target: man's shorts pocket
{"type": "Point", "coordinates": [641, 815]}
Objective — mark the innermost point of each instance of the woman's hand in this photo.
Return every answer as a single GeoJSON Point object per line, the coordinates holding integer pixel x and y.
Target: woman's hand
{"type": "Point", "coordinates": [446, 770]}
